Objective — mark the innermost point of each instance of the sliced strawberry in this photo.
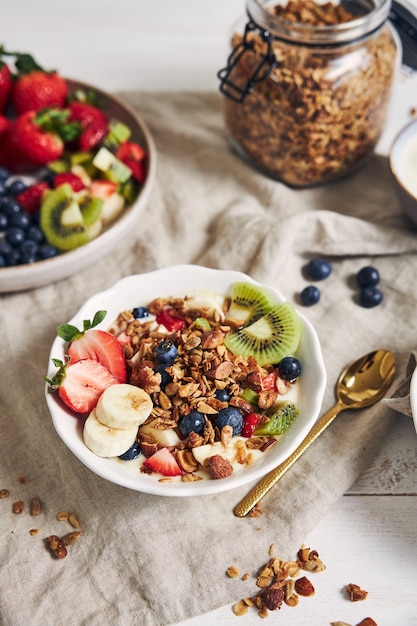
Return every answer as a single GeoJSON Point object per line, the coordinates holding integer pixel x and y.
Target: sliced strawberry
{"type": "Point", "coordinates": [162, 462]}
{"type": "Point", "coordinates": [134, 156]}
{"type": "Point", "coordinates": [68, 177]}
{"type": "Point", "coordinates": [30, 198]}
{"type": "Point", "coordinates": [94, 124]}
{"type": "Point", "coordinates": [170, 318]}
{"type": "Point", "coordinates": [83, 383]}
{"type": "Point", "coordinates": [250, 422]}
{"type": "Point", "coordinates": [103, 189]}
{"type": "Point", "coordinates": [103, 347]}
{"type": "Point", "coordinates": [270, 381]}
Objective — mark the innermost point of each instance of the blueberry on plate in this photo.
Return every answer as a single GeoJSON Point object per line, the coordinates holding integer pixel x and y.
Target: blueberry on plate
{"type": "Point", "coordinates": [166, 351]}
{"type": "Point", "coordinates": [230, 416]}
{"type": "Point", "coordinates": [318, 269]}
{"type": "Point", "coordinates": [289, 368]}
{"type": "Point", "coordinates": [132, 453]}
{"type": "Point", "coordinates": [192, 422]}
{"type": "Point", "coordinates": [370, 297]}
{"type": "Point", "coordinates": [368, 276]}
{"type": "Point", "coordinates": [310, 295]}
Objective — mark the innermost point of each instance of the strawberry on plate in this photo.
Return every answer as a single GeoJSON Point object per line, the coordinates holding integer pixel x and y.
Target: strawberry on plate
{"type": "Point", "coordinates": [81, 384]}
{"type": "Point", "coordinates": [6, 85]}
{"type": "Point", "coordinates": [134, 156]}
{"type": "Point", "coordinates": [94, 124]}
{"type": "Point", "coordinates": [96, 344]}
{"type": "Point", "coordinates": [162, 462]}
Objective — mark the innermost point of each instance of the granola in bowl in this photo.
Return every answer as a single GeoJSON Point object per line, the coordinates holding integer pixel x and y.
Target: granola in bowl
{"type": "Point", "coordinates": [201, 431]}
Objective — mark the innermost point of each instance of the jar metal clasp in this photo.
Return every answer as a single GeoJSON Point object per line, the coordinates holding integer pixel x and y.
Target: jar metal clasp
{"type": "Point", "coordinates": [264, 65]}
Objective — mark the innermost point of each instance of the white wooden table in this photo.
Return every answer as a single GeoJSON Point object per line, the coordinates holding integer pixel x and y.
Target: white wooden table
{"type": "Point", "coordinates": [370, 538]}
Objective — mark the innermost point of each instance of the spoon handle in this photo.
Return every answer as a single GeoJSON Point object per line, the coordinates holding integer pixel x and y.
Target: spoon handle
{"type": "Point", "coordinates": [264, 485]}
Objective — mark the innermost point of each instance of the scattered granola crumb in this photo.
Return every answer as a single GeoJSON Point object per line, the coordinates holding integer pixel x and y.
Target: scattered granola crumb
{"type": "Point", "coordinates": [56, 546]}
{"type": "Point", "coordinates": [22, 479]}
{"type": "Point", "coordinates": [368, 621]}
{"type": "Point", "coordinates": [34, 531]}
{"type": "Point", "coordinates": [62, 516]}
{"type": "Point", "coordinates": [272, 549]}
{"type": "Point", "coordinates": [232, 571]}
{"type": "Point", "coordinates": [256, 511]}
{"type": "Point", "coordinates": [245, 576]}
{"type": "Point", "coordinates": [35, 507]}
{"type": "Point", "coordinates": [340, 624]}
{"type": "Point", "coordinates": [4, 493]}
{"type": "Point", "coordinates": [240, 608]}
{"type": "Point", "coordinates": [18, 507]}
{"type": "Point", "coordinates": [413, 111]}
{"type": "Point", "coordinates": [73, 520]}
{"type": "Point", "coordinates": [356, 593]}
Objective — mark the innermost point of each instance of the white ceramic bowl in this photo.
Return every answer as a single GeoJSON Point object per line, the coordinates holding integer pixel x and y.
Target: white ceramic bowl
{"type": "Point", "coordinates": [41, 273]}
{"type": "Point", "coordinates": [403, 165]}
{"type": "Point", "coordinates": [140, 289]}
{"type": "Point", "coordinates": [413, 397]}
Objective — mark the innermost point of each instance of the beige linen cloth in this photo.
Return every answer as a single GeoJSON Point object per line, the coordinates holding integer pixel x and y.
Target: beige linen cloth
{"type": "Point", "coordinates": [146, 560]}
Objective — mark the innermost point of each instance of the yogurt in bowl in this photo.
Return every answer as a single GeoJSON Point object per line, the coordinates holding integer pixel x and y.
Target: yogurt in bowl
{"type": "Point", "coordinates": [403, 164]}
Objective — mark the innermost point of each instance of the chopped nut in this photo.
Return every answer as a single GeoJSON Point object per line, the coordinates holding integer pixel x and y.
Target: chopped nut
{"type": "Point", "coordinates": [232, 571]}
{"type": "Point", "coordinates": [186, 461]}
{"type": "Point", "coordinates": [272, 597]}
{"type": "Point", "coordinates": [219, 467]}
{"type": "Point", "coordinates": [35, 506]}
{"type": "Point", "coordinates": [70, 538]}
{"type": "Point", "coordinates": [56, 546]}
{"type": "Point", "coordinates": [4, 493]}
{"type": "Point", "coordinates": [73, 520]}
{"type": "Point", "coordinates": [18, 507]}
{"type": "Point", "coordinates": [368, 621]}
{"type": "Point", "coordinates": [240, 608]}
{"type": "Point", "coordinates": [356, 593]}
{"type": "Point", "coordinates": [304, 587]}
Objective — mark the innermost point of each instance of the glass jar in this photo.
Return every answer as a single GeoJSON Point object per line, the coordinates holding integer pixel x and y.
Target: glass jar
{"type": "Point", "coordinates": [307, 86]}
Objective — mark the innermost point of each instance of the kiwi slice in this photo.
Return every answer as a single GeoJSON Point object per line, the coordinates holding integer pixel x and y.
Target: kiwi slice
{"type": "Point", "coordinates": [280, 418]}
{"type": "Point", "coordinates": [61, 219]}
{"type": "Point", "coordinates": [272, 337]}
{"type": "Point", "coordinates": [90, 209]}
{"type": "Point", "coordinates": [249, 303]}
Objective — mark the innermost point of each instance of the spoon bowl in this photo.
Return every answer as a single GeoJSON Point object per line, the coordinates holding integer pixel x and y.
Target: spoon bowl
{"type": "Point", "coordinates": [360, 385]}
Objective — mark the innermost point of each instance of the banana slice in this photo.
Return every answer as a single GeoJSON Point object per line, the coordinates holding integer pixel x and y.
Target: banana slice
{"type": "Point", "coordinates": [167, 437]}
{"type": "Point", "coordinates": [233, 452]}
{"type": "Point", "coordinates": [123, 406]}
{"type": "Point", "coordinates": [105, 441]}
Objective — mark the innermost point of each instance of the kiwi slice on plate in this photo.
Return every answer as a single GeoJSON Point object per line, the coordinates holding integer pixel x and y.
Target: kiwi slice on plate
{"type": "Point", "coordinates": [61, 219]}
{"type": "Point", "coordinates": [249, 303]}
{"type": "Point", "coordinates": [272, 337]}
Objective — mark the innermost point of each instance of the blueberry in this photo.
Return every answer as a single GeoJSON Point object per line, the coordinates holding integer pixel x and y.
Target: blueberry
{"type": "Point", "coordinates": [20, 220]}
{"type": "Point", "coordinates": [4, 174]}
{"type": "Point", "coordinates": [4, 221]}
{"type": "Point", "coordinates": [3, 262]}
{"type": "Point", "coordinates": [9, 206]}
{"type": "Point", "coordinates": [165, 377]}
{"type": "Point", "coordinates": [368, 276]}
{"type": "Point", "coordinates": [132, 453]}
{"type": "Point", "coordinates": [192, 422]}
{"type": "Point", "coordinates": [166, 352]}
{"type": "Point", "coordinates": [16, 186]}
{"type": "Point", "coordinates": [15, 236]}
{"type": "Point", "coordinates": [318, 269]}
{"type": "Point", "coordinates": [140, 311]}
{"type": "Point", "coordinates": [289, 368]}
{"type": "Point", "coordinates": [13, 258]}
{"type": "Point", "coordinates": [5, 247]}
{"type": "Point", "coordinates": [34, 233]}
{"type": "Point", "coordinates": [229, 416]}
{"type": "Point", "coordinates": [46, 251]}
{"type": "Point", "coordinates": [370, 297]}
{"type": "Point", "coordinates": [223, 395]}
{"type": "Point", "coordinates": [310, 295]}
{"type": "Point", "coordinates": [28, 251]}
{"type": "Point", "coordinates": [3, 189]}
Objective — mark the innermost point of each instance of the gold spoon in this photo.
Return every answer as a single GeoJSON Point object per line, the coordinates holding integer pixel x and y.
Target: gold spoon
{"type": "Point", "coordinates": [360, 385]}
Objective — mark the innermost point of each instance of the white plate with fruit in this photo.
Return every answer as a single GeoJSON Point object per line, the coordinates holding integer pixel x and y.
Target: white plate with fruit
{"type": "Point", "coordinates": [185, 381]}
{"type": "Point", "coordinates": [77, 166]}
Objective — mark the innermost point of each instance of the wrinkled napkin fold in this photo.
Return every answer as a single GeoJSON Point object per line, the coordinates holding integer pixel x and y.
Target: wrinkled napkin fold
{"type": "Point", "coordinates": [152, 561]}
